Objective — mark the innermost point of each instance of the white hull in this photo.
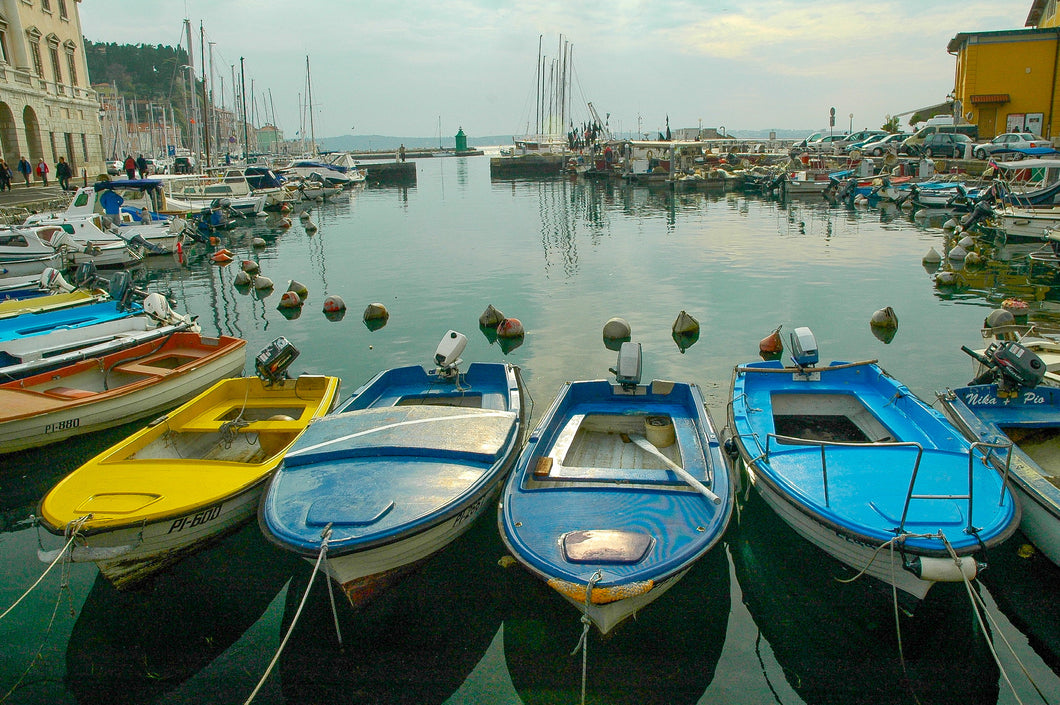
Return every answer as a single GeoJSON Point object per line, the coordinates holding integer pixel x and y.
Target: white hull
{"type": "Point", "coordinates": [86, 418]}
{"type": "Point", "coordinates": [363, 573]}
{"type": "Point", "coordinates": [29, 267]}
{"type": "Point", "coordinates": [132, 553]}
{"type": "Point", "coordinates": [609, 615]}
{"type": "Point", "coordinates": [1040, 524]}
{"type": "Point", "coordinates": [1028, 224]}
{"type": "Point", "coordinates": [884, 565]}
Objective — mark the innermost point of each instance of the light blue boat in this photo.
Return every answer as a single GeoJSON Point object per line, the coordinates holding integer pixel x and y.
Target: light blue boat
{"type": "Point", "coordinates": [858, 465]}
{"type": "Point", "coordinates": [620, 489]}
{"type": "Point", "coordinates": [32, 324]}
{"type": "Point", "coordinates": [1008, 406]}
{"type": "Point", "coordinates": [399, 470]}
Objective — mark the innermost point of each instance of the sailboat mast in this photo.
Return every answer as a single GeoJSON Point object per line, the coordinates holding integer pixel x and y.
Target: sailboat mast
{"type": "Point", "coordinates": [309, 98]}
{"type": "Point", "coordinates": [205, 102]}
{"type": "Point", "coordinates": [537, 86]}
{"type": "Point", "coordinates": [243, 100]}
{"type": "Point", "coordinates": [194, 117]}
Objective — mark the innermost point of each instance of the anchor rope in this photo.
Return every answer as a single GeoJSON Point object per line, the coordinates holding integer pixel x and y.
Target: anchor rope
{"type": "Point", "coordinates": [72, 529]}
{"type": "Point", "coordinates": [324, 536]}
{"type": "Point", "coordinates": [583, 640]}
{"type": "Point", "coordinates": [64, 586]}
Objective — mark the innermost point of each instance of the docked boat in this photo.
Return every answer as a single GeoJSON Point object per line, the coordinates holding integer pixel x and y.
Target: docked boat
{"type": "Point", "coordinates": [329, 174]}
{"type": "Point", "coordinates": [805, 183]}
{"type": "Point", "coordinates": [29, 250]}
{"type": "Point", "coordinates": [11, 307]}
{"type": "Point", "coordinates": [1007, 404]}
{"type": "Point", "coordinates": [187, 478]}
{"type": "Point", "coordinates": [855, 463]}
{"type": "Point", "coordinates": [400, 470]}
{"type": "Point", "coordinates": [98, 393]}
{"type": "Point", "coordinates": [619, 490]}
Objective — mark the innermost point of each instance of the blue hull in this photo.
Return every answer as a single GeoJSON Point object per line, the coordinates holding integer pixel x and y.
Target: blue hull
{"type": "Point", "coordinates": [30, 324]}
{"type": "Point", "coordinates": [406, 454]}
{"type": "Point", "coordinates": [870, 430]}
{"type": "Point", "coordinates": [1031, 421]}
{"type": "Point", "coordinates": [582, 502]}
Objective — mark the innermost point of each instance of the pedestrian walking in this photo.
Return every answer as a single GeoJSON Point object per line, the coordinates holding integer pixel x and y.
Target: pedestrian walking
{"type": "Point", "coordinates": [141, 164]}
{"type": "Point", "coordinates": [5, 176]}
{"type": "Point", "coordinates": [130, 167]}
{"type": "Point", "coordinates": [42, 170]}
{"type": "Point", "coordinates": [25, 169]}
{"type": "Point", "coordinates": [63, 173]}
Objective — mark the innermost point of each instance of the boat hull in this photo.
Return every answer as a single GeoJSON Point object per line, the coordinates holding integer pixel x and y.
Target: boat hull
{"type": "Point", "coordinates": [856, 464]}
{"type": "Point", "coordinates": [609, 524]}
{"type": "Point", "coordinates": [28, 417]}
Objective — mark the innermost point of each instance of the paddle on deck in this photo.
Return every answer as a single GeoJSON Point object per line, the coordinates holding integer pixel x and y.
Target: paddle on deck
{"type": "Point", "coordinates": [695, 484]}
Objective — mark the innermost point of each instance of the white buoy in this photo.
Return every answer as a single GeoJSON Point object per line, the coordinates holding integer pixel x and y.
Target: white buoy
{"type": "Point", "coordinates": [258, 242]}
{"type": "Point", "coordinates": [262, 282]}
{"type": "Point", "coordinates": [617, 329]}
{"type": "Point", "coordinates": [242, 278]}
{"type": "Point", "coordinates": [298, 288]}
{"type": "Point", "coordinates": [249, 266]}
{"type": "Point", "coordinates": [491, 317]}
{"type": "Point", "coordinates": [946, 278]}
{"type": "Point", "coordinates": [957, 253]}
{"type": "Point", "coordinates": [884, 318]}
{"type": "Point", "coordinates": [304, 215]}
{"type": "Point", "coordinates": [973, 259]}
{"type": "Point", "coordinates": [685, 324]}
{"type": "Point", "coordinates": [333, 303]}
{"type": "Point", "coordinates": [932, 257]}
{"type": "Point", "coordinates": [950, 224]}
{"type": "Point", "coordinates": [967, 242]}
{"type": "Point", "coordinates": [309, 225]}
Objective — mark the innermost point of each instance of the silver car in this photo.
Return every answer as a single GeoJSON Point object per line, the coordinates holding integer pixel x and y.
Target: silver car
{"type": "Point", "coordinates": [1009, 140]}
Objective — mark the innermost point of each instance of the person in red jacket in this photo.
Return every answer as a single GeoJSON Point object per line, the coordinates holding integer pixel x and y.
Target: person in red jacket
{"type": "Point", "coordinates": [42, 170]}
{"type": "Point", "coordinates": [130, 167]}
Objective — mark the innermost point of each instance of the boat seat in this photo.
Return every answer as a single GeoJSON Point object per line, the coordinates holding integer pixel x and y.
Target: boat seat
{"type": "Point", "coordinates": [173, 359]}
{"type": "Point", "coordinates": [69, 393]}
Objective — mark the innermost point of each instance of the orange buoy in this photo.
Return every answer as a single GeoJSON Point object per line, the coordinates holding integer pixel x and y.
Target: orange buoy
{"type": "Point", "coordinates": [290, 300]}
{"type": "Point", "coordinates": [221, 257]}
{"type": "Point", "coordinates": [333, 303]}
{"type": "Point", "coordinates": [510, 328]}
{"type": "Point", "coordinates": [771, 344]}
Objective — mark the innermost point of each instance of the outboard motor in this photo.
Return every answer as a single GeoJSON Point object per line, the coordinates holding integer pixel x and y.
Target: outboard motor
{"type": "Point", "coordinates": [979, 213]}
{"type": "Point", "coordinates": [85, 276]}
{"type": "Point", "coordinates": [1010, 365]}
{"type": "Point", "coordinates": [804, 348]}
{"type": "Point", "coordinates": [627, 370]}
{"type": "Point", "coordinates": [121, 288]}
{"type": "Point", "coordinates": [447, 355]}
{"type": "Point", "coordinates": [272, 362]}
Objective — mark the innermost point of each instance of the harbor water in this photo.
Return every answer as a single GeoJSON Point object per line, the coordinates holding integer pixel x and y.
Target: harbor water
{"type": "Point", "coordinates": [765, 617]}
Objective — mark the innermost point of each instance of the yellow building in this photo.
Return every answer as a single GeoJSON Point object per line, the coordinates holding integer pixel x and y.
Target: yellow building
{"type": "Point", "coordinates": [47, 108]}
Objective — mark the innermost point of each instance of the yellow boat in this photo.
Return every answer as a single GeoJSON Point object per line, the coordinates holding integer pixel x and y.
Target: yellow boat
{"type": "Point", "coordinates": [51, 302]}
{"type": "Point", "coordinates": [189, 477]}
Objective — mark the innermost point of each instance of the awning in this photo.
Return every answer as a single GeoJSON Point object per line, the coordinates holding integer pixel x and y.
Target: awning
{"type": "Point", "coordinates": [931, 110]}
{"type": "Point", "coordinates": [989, 98]}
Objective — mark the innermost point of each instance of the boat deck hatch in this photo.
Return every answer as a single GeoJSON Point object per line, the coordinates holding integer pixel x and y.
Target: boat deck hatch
{"type": "Point", "coordinates": [837, 418]}
{"type": "Point", "coordinates": [820, 428]}
{"type": "Point", "coordinates": [606, 546]}
{"type": "Point", "coordinates": [471, 401]}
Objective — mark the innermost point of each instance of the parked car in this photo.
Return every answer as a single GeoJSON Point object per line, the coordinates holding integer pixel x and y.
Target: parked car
{"type": "Point", "coordinates": [946, 144]}
{"type": "Point", "coordinates": [858, 140]}
{"type": "Point", "coordinates": [913, 143]}
{"type": "Point", "coordinates": [886, 143]}
{"type": "Point", "coordinates": [114, 168]}
{"type": "Point", "coordinates": [1009, 140]}
{"type": "Point", "coordinates": [828, 143]}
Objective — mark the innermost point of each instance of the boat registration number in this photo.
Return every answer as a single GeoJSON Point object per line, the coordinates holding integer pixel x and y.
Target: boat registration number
{"type": "Point", "coordinates": [987, 399]}
{"type": "Point", "coordinates": [62, 425]}
{"type": "Point", "coordinates": [193, 520]}
{"type": "Point", "coordinates": [468, 513]}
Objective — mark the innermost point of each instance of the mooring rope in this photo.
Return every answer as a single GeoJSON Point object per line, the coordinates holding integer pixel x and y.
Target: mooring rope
{"type": "Point", "coordinates": [72, 529]}
{"type": "Point", "coordinates": [324, 536]}
{"type": "Point", "coordinates": [583, 640]}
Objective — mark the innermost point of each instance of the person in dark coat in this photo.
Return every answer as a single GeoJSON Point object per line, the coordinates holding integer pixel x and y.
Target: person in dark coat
{"type": "Point", "coordinates": [130, 167]}
{"type": "Point", "coordinates": [141, 164]}
{"type": "Point", "coordinates": [63, 173]}
{"type": "Point", "coordinates": [5, 176]}
{"type": "Point", "coordinates": [24, 168]}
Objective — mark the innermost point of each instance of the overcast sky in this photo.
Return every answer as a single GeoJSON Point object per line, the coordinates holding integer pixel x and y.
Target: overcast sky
{"type": "Point", "coordinates": [399, 68]}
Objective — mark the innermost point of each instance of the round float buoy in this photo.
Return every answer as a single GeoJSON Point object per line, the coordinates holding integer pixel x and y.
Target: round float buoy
{"type": "Point", "coordinates": [946, 278]}
{"type": "Point", "coordinates": [262, 283]}
{"type": "Point", "coordinates": [617, 329]}
{"type": "Point", "coordinates": [510, 328]}
{"type": "Point", "coordinates": [685, 324]}
{"type": "Point", "coordinates": [304, 215]}
{"type": "Point", "coordinates": [333, 304]}
{"type": "Point", "coordinates": [490, 318]}
{"type": "Point", "coordinates": [376, 312]}
{"type": "Point", "coordinates": [242, 278]}
{"type": "Point", "coordinates": [973, 259]}
{"type": "Point", "coordinates": [884, 318]}
{"type": "Point", "coordinates": [298, 289]}
{"type": "Point", "coordinates": [258, 242]}
{"type": "Point", "coordinates": [289, 300]}
{"type": "Point", "coordinates": [999, 318]}
{"type": "Point", "coordinates": [214, 240]}
{"type": "Point", "coordinates": [249, 266]}
{"type": "Point", "coordinates": [932, 257]}
{"type": "Point", "coordinates": [310, 226]}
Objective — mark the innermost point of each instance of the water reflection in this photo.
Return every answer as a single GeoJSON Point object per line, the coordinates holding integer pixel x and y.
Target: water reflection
{"type": "Point", "coordinates": [837, 642]}
{"type": "Point", "coordinates": [415, 643]}
{"type": "Point", "coordinates": [667, 654]}
{"type": "Point", "coordinates": [132, 646]}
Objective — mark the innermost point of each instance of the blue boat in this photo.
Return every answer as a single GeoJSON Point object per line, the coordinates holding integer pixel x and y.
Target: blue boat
{"type": "Point", "coordinates": [32, 324]}
{"type": "Point", "coordinates": [1006, 405]}
{"type": "Point", "coordinates": [857, 464]}
{"type": "Point", "coordinates": [399, 470]}
{"type": "Point", "coordinates": [620, 489]}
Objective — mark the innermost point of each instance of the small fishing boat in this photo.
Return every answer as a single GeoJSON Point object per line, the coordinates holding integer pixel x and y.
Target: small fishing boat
{"type": "Point", "coordinates": [190, 476]}
{"type": "Point", "coordinates": [1008, 405]}
{"type": "Point", "coordinates": [114, 389]}
{"type": "Point", "coordinates": [400, 470]}
{"type": "Point", "coordinates": [855, 463]}
{"type": "Point", "coordinates": [620, 489]}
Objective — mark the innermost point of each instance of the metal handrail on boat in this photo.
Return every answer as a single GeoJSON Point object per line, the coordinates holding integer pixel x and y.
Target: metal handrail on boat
{"type": "Point", "coordinates": [792, 440]}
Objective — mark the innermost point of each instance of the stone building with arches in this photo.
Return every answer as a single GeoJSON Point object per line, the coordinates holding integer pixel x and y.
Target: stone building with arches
{"type": "Point", "coordinates": [47, 106]}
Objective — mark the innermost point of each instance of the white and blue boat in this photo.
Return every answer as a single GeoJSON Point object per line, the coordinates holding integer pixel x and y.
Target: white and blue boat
{"type": "Point", "coordinates": [399, 470]}
{"type": "Point", "coordinates": [1006, 405]}
{"type": "Point", "coordinates": [620, 489]}
{"type": "Point", "coordinates": [853, 461]}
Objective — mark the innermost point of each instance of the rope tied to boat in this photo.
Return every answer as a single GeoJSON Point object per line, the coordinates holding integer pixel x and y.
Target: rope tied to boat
{"type": "Point", "coordinates": [325, 535]}
{"type": "Point", "coordinates": [72, 531]}
{"type": "Point", "coordinates": [587, 623]}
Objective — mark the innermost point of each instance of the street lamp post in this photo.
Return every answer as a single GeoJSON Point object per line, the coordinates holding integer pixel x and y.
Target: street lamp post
{"type": "Point", "coordinates": [851, 130]}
